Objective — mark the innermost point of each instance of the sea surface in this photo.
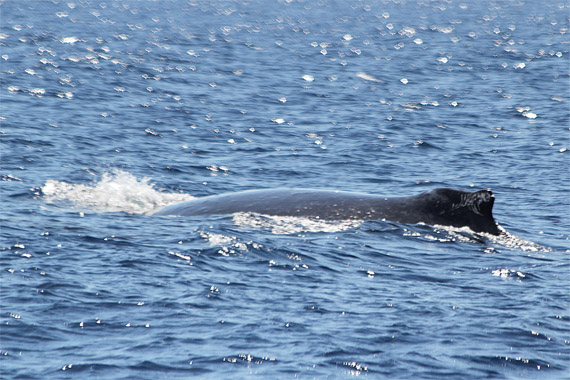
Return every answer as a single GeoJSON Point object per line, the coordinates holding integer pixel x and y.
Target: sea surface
{"type": "Point", "coordinates": [111, 109]}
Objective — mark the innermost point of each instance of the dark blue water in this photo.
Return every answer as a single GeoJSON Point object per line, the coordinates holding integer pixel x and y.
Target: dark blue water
{"type": "Point", "coordinates": [110, 110]}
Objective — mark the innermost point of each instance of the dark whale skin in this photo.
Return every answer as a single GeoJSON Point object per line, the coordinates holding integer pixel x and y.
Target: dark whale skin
{"type": "Point", "coordinates": [443, 206]}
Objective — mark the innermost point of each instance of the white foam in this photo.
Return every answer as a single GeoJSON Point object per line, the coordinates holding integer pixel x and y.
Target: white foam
{"type": "Point", "coordinates": [229, 245]}
{"type": "Point", "coordinates": [506, 272]}
{"type": "Point", "coordinates": [511, 241]}
{"type": "Point", "coordinates": [467, 235]}
{"type": "Point", "coordinates": [116, 191]}
{"type": "Point", "coordinates": [292, 224]}
{"type": "Point", "coordinates": [367, 77]}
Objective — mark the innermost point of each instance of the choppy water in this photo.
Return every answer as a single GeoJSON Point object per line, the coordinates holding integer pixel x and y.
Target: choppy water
{"type": "Point", "coordinates": [112, 109]}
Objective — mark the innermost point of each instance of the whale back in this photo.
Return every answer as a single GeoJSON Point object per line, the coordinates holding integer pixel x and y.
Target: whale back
{"type": "Point", "coordinates": [442, 206]}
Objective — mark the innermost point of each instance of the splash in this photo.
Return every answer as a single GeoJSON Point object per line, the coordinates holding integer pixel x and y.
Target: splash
{"type": "Point", "coordinates": [117, 191]}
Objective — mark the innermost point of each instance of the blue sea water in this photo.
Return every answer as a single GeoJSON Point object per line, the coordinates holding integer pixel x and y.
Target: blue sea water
{"type": "Point", "coordinates": [113, 109]}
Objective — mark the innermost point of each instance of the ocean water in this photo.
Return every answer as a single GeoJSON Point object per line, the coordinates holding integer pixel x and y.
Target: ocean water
{"type": "Point", "coordinates": [113, 109]}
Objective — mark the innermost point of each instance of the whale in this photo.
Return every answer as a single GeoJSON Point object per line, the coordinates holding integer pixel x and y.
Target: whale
{"type": "Point", "coordinates": [441, 206]}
